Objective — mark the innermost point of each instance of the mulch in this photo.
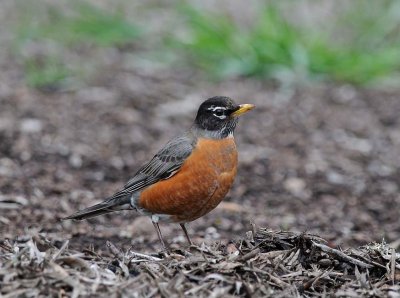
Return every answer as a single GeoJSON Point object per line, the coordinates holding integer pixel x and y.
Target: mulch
{"type": "Point", "coordinates": [264, 263]}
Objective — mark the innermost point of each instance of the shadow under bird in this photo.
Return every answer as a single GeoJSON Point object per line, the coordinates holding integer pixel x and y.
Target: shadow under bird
{"type": "Point", "coordinates": [189, 176]}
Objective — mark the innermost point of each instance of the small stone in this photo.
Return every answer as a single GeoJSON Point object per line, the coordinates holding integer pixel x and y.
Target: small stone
{"type": "Point", "coordinates": [31, 125]}
{"type": "Point", "coordinates": [295, 185]}
{"type": "Point", "coordinates": [117, 162]}
{"type": "Point", "coordinates": [335, 178]}
{"type": "Point", "coordinates": [211, 233]}
{"type": "Point", "coordinates": [231, 249]}
{"type": "Point", "coordinates": [75, 160]}
{"type": "Point", "coordinates": [8, 167]}
{"type": "Point", "coordinates": [325, 262]}
{"type": "Point", "coordinates": [140, 226]}
{"type": "Point", "coordinates": [230, 207]}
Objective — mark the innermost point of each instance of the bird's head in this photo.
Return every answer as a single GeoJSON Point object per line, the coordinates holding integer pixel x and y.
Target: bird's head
{"type": "Point", "coordinates": [218, 116]}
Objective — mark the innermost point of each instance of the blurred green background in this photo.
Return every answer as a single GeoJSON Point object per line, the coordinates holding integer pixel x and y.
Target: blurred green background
{"type": "Point", "coordinates": [64, 44]}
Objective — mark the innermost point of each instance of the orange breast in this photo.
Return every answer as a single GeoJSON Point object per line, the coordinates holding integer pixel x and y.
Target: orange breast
{"type": "Point", "coordinates": [200, 185]}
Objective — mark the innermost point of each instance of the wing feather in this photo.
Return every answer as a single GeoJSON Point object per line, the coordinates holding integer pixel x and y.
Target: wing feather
{"type": "Point", "coordinates": [163, 165]}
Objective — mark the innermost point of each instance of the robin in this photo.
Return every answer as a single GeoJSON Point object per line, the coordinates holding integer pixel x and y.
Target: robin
{"type": "Point", "coordinates": [189, 176]}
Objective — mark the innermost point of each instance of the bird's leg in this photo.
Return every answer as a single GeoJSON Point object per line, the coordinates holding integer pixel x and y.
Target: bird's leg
{"type": "Point", "coordinates": [186, 233]}
{"type": "Point", "coordinates": [159, 235]}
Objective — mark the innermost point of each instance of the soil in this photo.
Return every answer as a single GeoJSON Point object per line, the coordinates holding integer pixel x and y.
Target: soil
{"type": "Point", "coordinates": [319, 159]}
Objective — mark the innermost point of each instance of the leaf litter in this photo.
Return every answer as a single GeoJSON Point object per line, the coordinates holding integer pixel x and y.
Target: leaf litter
{"type": "Point", "coordinates": [264, 263]}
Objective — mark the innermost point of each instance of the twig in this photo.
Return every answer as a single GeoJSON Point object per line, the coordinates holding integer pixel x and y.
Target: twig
{"type": "Point", "coordinates": [143, 256]}
{"type": "Point", "coordinates": [247, 256]}
{"type": "Point", "coordinates": [114, 250]}
{"type": "Point", "coordinates": [73, 262]}
{"type": "Point", "coordinates": [372, 262]}
{"type": "Point", "coordinates": [341, 255]}
{"type": "Point", "coordinates": [273, 278]}
{"type": "Point", "coordinates": [293, 258]}
{"type": "Point", "coordinates": [61, 250]}
{"type": "Point", "coordinates": [393, 266]}
{"type": "Point", "coordinates": [305, 286]}
{"type": "Point", "coordinates": [250, 255]}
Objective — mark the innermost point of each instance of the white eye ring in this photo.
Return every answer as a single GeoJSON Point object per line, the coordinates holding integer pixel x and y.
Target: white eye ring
{"type": "Point", "coordinates": [218, 112]}
{"type": "Point", "coordinates": [222, 116]}
{"type": "Point", "coordinates": [214, 108]}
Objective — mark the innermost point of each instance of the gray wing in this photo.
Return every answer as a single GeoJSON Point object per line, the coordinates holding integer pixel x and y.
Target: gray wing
{"type": "Point", "coordinates": [163, 165]}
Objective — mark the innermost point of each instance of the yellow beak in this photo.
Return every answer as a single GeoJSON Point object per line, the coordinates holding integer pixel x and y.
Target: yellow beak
{"type": "Point", "coordinates": [243, 109]}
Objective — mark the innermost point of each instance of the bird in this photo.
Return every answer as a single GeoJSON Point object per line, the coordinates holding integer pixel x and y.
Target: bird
{"type": "Point", "coordinates": [188, 177]}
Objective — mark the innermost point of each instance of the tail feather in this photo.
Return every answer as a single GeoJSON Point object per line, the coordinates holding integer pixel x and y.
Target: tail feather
{"type": "Point", "coordinates": [110, 205]}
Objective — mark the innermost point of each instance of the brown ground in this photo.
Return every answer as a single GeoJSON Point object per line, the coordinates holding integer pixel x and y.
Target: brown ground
{"type": "Point", "coordinates": [318, 159]}
{"type": "Point", "coordinates": [323, 160]}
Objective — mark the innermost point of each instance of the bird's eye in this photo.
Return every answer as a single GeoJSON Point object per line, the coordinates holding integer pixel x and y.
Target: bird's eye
{"type": "Point", "coordinates": [219, 113]}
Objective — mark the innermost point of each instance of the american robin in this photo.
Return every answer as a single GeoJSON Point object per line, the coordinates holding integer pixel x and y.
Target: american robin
{"type": "Point", "coordinates": [189, 176]}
